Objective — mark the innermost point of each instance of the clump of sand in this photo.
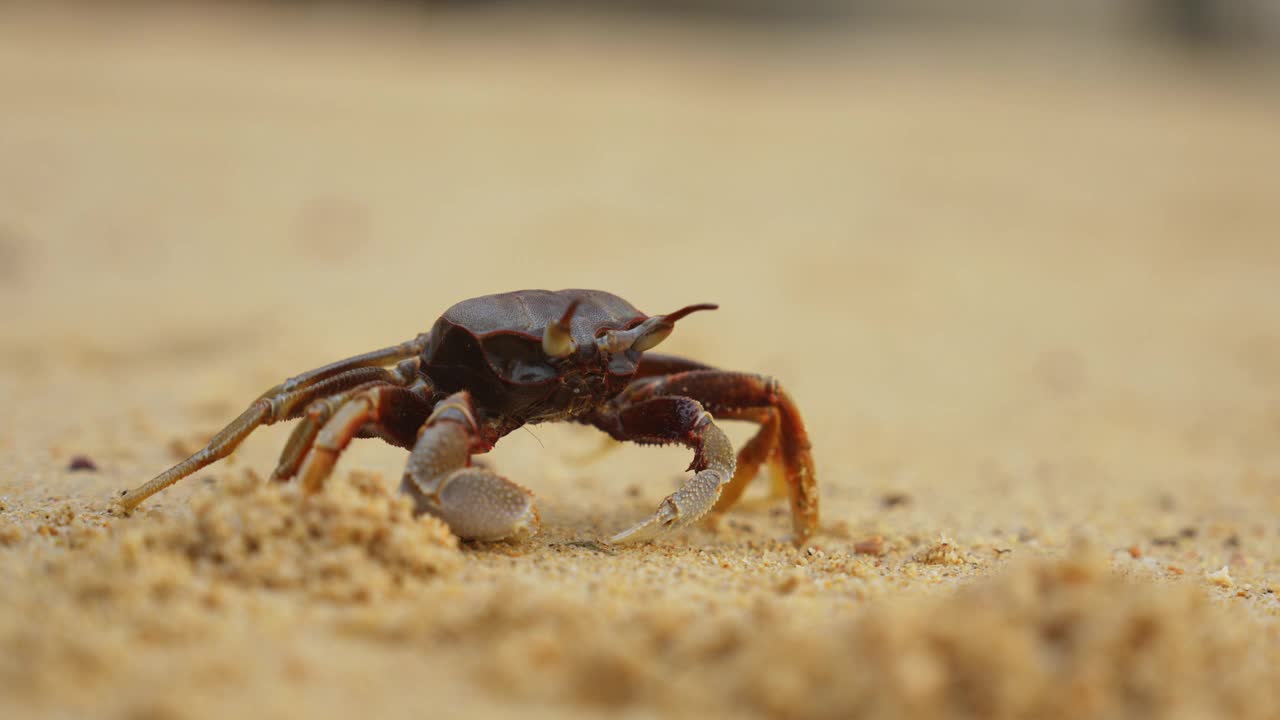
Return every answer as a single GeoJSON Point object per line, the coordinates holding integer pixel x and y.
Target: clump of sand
{"type": "Point", "coordinates": [942, 552]}
{"type": "Point", "coordinates": [353, 542]}
{"type": "Point", "coordinates": [85, 593]}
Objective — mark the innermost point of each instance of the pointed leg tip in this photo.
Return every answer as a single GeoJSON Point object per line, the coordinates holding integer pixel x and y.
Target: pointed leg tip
{"type": "Point", "coordinates": [641, 533]}
{"type": "Point", "coordinates": [666, 518]}
{"type": "Point", "coordinates": [651, 529]}
{"type": "Point", "coordinates": [123, 505]}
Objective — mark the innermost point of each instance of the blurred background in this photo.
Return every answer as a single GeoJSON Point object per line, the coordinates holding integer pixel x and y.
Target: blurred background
{"type": "Point", "coordinates": [1018, 261]}
{"type": "Point", "coordinates": [993, 242]}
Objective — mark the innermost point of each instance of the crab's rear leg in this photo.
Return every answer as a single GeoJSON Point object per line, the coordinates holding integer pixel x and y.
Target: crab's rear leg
{"type": "Point", "coordinates": [396, 420]}
{"type": "Point", "coordinates": [476, 503]}
{"type": "Point", "coordinates": [388, 411]}
{"type": "Point", "coordinates": [664, 420]}
{"type": "Point", "coordinates": [285, 402]}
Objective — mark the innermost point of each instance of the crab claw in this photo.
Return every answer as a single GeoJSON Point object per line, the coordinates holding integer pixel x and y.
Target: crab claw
{"type": "Point", "coordinates": [679, 509]}
{"type": "Point", "coordinates": [478, 505]}
{"type": "Point", "coordinates": [697, 496]}
{"type": "Point", "coordinates": [475, 502]}
{"type": "Point", "coordinates": [648, 530]}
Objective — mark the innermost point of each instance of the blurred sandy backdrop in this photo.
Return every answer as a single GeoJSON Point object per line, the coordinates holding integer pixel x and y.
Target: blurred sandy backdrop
{"type": "Point", "coordinates": [1028, 283]}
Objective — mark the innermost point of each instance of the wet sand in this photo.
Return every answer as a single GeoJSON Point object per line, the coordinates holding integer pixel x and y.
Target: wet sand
{"type": "Point", "coordinates": [1025, 297]}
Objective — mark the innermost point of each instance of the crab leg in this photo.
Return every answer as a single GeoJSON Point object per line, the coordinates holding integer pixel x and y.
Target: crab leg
{"type": "Point", "coordinates": [761, 448]}
{"type": "Point", "coordinates": [397, 424]}
{"type": "Point", "coordinates": [664, 420]}
{"type": "Point", "coordinates": [304, 435]}
{"type": "Point", "coordinates": [284, 402]}
{"type": "Point", "coordinates": [376, 358]}
{"type": "Point", "coordinates": [393, 412]}
{"type": "Point", "coordinates": [476, 503]}
{"type": "Point", "coordinates": [759, 398]}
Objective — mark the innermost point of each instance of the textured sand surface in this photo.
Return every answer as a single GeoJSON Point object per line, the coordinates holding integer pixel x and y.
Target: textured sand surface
{"type": "Point", "coordinates": [1027, 299]}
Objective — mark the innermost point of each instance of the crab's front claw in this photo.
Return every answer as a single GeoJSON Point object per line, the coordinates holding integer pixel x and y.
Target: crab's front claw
{"type": "Point", "coordinates": [478, 504]}
{"type": "Point", "coordinates": [679, 509]}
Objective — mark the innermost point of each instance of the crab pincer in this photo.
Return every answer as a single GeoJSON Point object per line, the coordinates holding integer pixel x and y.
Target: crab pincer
{"type": "Point", "coordinates": [697, 496]}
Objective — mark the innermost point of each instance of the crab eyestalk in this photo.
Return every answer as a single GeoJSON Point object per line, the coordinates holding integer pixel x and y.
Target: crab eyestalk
{"type": "Point", "coordinates": [648, 333]}
{"type": "Point", "coordinates": [557, 342]}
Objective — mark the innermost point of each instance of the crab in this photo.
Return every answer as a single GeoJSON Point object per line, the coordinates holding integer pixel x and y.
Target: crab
{"type": "Point", "coordinates": [492, 364]}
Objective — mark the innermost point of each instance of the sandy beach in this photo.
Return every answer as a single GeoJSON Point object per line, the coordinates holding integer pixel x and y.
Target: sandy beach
{"type": "Point", "coordinates": [1025, 294]}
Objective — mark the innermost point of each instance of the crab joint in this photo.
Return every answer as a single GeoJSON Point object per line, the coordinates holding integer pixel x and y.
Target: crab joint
{"type": "Point", "coordinates": [557, 342]}
{"type": "Point", "coordinates": [647, 334]}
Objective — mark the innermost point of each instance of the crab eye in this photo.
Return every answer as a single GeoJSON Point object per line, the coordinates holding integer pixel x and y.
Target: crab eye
{"type": "Point", "coordinates": [557, 344]}
{"type": "Point", "coordinates": [557, 340]}
{"type": "Point", "coordinates": [655, 335]}
{"type": "Point", "coordinates": [639, 338]}
{"type": "Point", "coordinates": [647, 334]}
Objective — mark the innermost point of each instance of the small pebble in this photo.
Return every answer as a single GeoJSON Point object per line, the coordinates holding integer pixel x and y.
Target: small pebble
{"type": "Point", "coordinates": [82, 463]}
{"type": "Point", "coordinates": [1221, 578]}
{"type": "Point", "coordinates": [892, 500]}
{"type": "Point", "coordinates": [873, 545]}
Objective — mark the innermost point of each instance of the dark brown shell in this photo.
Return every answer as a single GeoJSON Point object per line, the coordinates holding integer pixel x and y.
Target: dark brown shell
{"type": "Point", "coordinates": [492, 347]}
{"type": "Point", "coordinates": [528, 312]}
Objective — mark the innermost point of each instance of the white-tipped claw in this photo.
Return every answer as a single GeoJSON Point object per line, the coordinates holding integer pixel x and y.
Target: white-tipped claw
{"type": "Point", "coordinates": [527, 525]}
{"type": "Point", "coordinates": [651, 528]}
{"type": "Point", "coordinates": [679, 509]}
{"type": "Point", "coordinates": [479, 505]}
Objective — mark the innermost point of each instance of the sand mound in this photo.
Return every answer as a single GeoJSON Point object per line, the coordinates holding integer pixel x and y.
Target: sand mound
{"type": "Point", "coordinates": [1044, 638]}
{"type": "Point", "coordinates": [353, 542]}
{"type": "Point", "coordinates": [88, 576]}
{"type": "Point", "coordinates": [1047, 639]}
